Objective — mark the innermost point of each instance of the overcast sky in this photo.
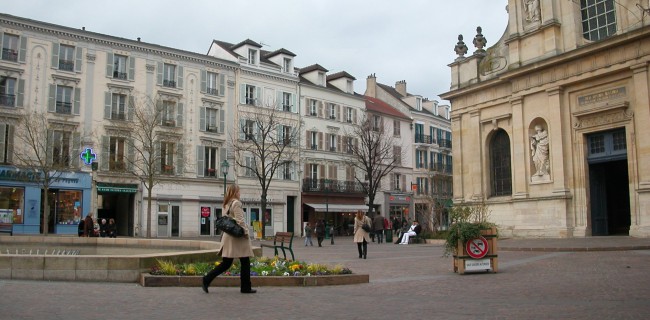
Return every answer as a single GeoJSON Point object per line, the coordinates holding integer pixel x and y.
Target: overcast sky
{"type": "Point", "coordinates": [410, 40]}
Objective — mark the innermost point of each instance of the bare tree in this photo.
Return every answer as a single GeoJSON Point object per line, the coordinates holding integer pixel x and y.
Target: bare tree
{"type": "Point", "coordinates": [152, 134]}
{"type": "Point", "coordinates": [431, 211]}
{"type": "Point", "coordinates": [373, 151]}
{"type": "Point", "coordinates": [265, 142]}
{"type": "Point", "coordinates": [46, 149]}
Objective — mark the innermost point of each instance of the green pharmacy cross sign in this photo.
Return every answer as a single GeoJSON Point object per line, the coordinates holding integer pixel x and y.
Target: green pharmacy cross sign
{"type": "Point", "coordinates": [88, 156]}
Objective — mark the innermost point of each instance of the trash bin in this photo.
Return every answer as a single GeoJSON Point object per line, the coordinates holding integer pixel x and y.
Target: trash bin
{"type": "Point", "coordinates": [388, 234]}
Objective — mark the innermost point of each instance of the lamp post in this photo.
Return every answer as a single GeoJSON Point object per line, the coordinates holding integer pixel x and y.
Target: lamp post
{"type": "Point", "coordinates": [224, 170]}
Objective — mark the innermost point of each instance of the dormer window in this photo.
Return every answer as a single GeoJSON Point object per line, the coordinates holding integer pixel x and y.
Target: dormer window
{"type": "Point", "coordinates": [418, 104]}
{"type": "Point", "coordinates": [287, 65]}
{"type": "Point", "coordinates": [321, 78]}
{"type": "Point", "coordinates": [252, 56]}
{"type": "Point", "coordinates": [349, 86]}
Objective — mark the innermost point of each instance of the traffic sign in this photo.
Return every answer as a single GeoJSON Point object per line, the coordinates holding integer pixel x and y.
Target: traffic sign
{"type": "Point", "coordinates": [477, 248]}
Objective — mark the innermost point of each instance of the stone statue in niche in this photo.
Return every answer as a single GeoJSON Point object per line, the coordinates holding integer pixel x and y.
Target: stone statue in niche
{"type": "Point", "coordinates": [532, 10]}
{"type": "Point", "coordinates": [539, 152]}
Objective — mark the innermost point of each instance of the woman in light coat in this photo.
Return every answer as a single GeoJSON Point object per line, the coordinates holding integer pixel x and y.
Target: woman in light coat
{"type": "Point", "coordinates": [361, 237]}
{"type": "Point", "coordinates": [232, 247]}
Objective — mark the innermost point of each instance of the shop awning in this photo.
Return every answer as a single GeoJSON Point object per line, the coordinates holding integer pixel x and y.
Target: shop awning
{"type": "Point", "coordinates": [332, 207]}
{"type": "Point", "coordinates": [117, 187]}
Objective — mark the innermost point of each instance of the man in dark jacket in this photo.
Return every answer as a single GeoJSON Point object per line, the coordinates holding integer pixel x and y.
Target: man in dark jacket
{"type": "Point", "coordinates": [89, 226]}
{"type": "Point", "coordinates": [378, 227]}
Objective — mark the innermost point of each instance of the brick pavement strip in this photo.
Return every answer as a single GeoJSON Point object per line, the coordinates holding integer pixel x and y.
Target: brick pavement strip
{"type": "Point", "coordinates": [406, 282]}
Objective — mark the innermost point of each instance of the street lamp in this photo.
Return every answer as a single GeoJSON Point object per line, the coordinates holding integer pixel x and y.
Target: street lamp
{"type": "Point", "coordinates": [224, 170]}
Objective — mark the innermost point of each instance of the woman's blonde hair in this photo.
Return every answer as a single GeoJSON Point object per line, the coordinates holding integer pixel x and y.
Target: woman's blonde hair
{"type": "Point", "coordinates": [231, 194]}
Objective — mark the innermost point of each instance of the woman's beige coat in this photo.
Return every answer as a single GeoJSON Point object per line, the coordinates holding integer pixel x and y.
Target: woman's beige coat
{"type": "Point", "coordinates": [359, 233]}
{"type": "Point", "coordinates": [232, 247]}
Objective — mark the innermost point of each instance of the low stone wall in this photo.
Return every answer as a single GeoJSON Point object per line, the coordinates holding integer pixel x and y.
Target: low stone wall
{"type": "Point", "coordinates": [107, 268]}
{"type": "Point", "coordinates": [147, 280]}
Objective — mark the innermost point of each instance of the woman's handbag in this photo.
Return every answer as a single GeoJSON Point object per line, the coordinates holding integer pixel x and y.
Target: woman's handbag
{"type": "Point", "coordinates": [229, 226]}
{"type": "Point", "coordinates": [366, 227]}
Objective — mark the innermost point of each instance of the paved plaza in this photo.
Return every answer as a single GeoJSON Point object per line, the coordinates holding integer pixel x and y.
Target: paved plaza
{"type": "Point", "coordinates": [592, 278]}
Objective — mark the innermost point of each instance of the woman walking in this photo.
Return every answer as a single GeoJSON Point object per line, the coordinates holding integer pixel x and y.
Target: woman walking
{"type": "Point", "coordinates": [361, 237]}
{"type": "Point", "coordinates": [232, 247]}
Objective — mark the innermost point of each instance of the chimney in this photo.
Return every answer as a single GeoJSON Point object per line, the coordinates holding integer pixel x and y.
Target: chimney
{"type": "Point", "coordinates": [371, 85]}
{"type": "Point", "coordinates": [400, 86]}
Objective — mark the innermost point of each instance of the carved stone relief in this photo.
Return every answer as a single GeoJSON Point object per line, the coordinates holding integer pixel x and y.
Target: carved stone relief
{"type": "Point", "coordinates": [531, 7]}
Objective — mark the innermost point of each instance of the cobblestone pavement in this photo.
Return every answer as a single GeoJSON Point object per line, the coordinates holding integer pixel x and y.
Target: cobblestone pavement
{"type": "Point", "coordinates": [406, 282]}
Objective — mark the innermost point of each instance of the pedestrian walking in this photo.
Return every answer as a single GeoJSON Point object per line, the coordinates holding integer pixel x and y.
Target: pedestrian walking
{"type": "Point", "coordinates": [320, 232]}
{"type": "Point", "coordinates": [232, 247]}
{"type": "Point", "coordinates": [378, 227]}
{"type": "Point", "coordinates": [332, 229]}
{"type": "Point", "coordinates": [361, 237]}
{"type": "Point", "coordinates": [308, 233]}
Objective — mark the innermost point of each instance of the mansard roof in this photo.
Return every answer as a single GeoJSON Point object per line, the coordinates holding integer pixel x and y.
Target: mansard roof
{"type": "Point", "coordinates": [341, 74]}
{"type": "Point", "coordinates": [378, 106]}
{"type": "Point", "coordinates": [280, 51]}
{"type": "Point", "coordinates": [313, 67]}
{"type": "Point", "coordinates": [248, 42]}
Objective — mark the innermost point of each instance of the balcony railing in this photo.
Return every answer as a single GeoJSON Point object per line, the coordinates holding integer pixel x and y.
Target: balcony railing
{"type": "Point", "coordinates": [167, 169]}
{"type": "Point", "coordinates": [212, 91]}
{"type": "Point", "coordinates": [119, 75]}
{"type": "Point", "coordinates": [444, 143]}
{"type": "Point", "coordinates": [422, 138]}
{"type": "Point", "coordinates": [169, 83]}
{"type": "Point", "coordinates": [329, 185]}
{"type": "Point", "coordinates": [210, 172]}
{"type": "Point", "coordinates": [212, 129]}
{"type": "Point", "coordinates": [314, 147]}
{"type": "Point", "coordinates": [7, 100]}
{"type": "Point", "coordinates": [333, 149]}
{"type": "Point", "coordinates": [441, 168]}
{"type": "Point", "coordinates": [118, 116]}
{"type": "Point", "coordinates": [169, 123]}
{"type": "Point", "coordinates": [9, 54]}
{"type": "Point", "coordinates": [64, 107]}
{"type": "Point", "coordinates": [67, 65]}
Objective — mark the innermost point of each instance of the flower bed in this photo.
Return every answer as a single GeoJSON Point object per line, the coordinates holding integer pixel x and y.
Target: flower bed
{"type": "Point", "coordinates": [264, 272]}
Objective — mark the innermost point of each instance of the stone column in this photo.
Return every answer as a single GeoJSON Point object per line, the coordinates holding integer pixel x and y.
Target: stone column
{"type": "Point", "coordinates": [556, 134]}
{"type": "Point", "coordinates": [520, 177]}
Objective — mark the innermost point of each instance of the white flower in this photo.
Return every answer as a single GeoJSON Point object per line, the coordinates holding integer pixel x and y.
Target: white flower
{"type": "Point", "coordinates": [309, 274]}
{"type": "Point", "coordinates": [265, 273]}
{"type": "Point", "coordinates": [286, 274]}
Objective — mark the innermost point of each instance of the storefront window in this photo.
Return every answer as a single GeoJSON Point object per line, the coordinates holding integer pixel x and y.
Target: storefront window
{"type": "Point", "coordinates": [68, 207]}
{"type": "Point", "coordinates": [11, 205]}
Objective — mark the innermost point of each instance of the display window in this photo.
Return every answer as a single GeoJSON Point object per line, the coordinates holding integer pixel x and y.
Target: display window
{"type": "Point", "coordinates": [12, 202]}
{"type": "Point", "coordinates": [67, 206]}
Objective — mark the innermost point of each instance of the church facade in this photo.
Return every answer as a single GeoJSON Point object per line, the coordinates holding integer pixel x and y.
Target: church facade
{"type": "Point", "coordinates": [551, 123]}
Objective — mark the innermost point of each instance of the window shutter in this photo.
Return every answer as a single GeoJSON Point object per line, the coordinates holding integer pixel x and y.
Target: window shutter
{"type": "Point", "coordinates": [79, 55]}
{"type": "Point", "coordinates": [278, 134]}
{"type": "Point", "coordinates": [222, 121]}
{"type": "Point", "coordinates": [338, 112]}
{"type": "Point", "coordinates": [109, 64]}
{"type": "Point", "coordinates": [23, 49]}
{"type": "Point", "coordinates": [55, 55]}
{"type": "Point", "coordinates": [327, 141]}
{"type": "Point", "coordinates": [320, 141]}
{"type": "Point", "coordinates": [354, 115]}
{"type": "Point", "coordinates": [204, 81]}
{"type": "Point", "coordinates": [77, 101]}
{"type": "Point", "coordinates": [157, 163]}
{"type": "Point", "coordinates": [307, 106]}
{"type": "Point", "coordinates": [202, 119]}
{"type": "Point", "coordinates": [321, 168]}
{"type": "Point", "coordinates": [131, 108]}
{"type": "Point", "coordinates": [20, 93]}
{"type": "Point", "coordinates": [319, 106]}
{"type": "Point", "coordinates": [130, 156]}
{"type": "Point", "coordinates": [294, 107]}
{"type": "Point", "coordinates": [403, 182]}
{"type": "Point", "coordinates": [76, 149]}
{"type": "Point", "coordinates": [108, 96]}
{"type": "Point", "coordinates": [10, 144]}
{"type": "Point", "coordinates": [258, 96]}
{"type": "Point", "coordinates": [105, 156]}
{"type": "Point", "coordinates": [242, 94]}
{"type": "Point", "coordinates": [222, 85]}
{"type": "Point", "coordinates": [242, 135]}
{"type": "Point", "coordinates": [131, 67]}
{"type": "Point", "coordinates": [179, 115]}
{"type": "Point", "coordinates": [222, 154]}
{"type": "Point", "coordinates": [51, 99]}
{"type": "Point", "coordinates": [159, 75]}
{"type": "Point", "coordinates": [3, 129]}
{"type": "Point", "coordinates": [50, 147]}
{"type": "Point", "coordinates": [279, 100]}
{"type": "Point", "coordinates": [306, 171]}
{"type": "Point", "coordinates": [179, 83]}
{"type": "Point", "coordinates": [200, 160]}
{"type": "Point", "coordinates": [180, 159]}
{"type": "Point", "coordinates": [338, 143]}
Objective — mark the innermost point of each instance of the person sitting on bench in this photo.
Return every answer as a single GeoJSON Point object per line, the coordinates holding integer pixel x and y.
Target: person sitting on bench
{"type": "Point", "coordinates": [413, 231]}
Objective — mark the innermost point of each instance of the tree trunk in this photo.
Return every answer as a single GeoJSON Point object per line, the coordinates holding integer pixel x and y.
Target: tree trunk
{"type": "Point", "coordinates": [263, 213]}
{"type": "Point", "coordinates": [148, 212]}
{"type": "Point", "coordinates": [46, 211]}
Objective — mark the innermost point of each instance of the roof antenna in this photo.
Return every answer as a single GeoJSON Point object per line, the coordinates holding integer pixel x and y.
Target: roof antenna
{"type": "Point", "coordinates": [264, 44]}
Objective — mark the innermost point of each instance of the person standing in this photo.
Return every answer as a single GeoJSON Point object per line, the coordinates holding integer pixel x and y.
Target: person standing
{"type": "Point", "coordinates": [308, 233]}
{"type": "Point", "coordinates": [396, 226]}
{"type": "Point", "coordinates": [103, 229]}
{"type": "Point", "coordinates": [89, 226]}
{"type": "Point", "coordinates": [80, 227]}
{"type": "Point", "coordinates": [112, 228]}
{"type": "Point", "coordinates": [320, 232]}
{"type": "Point", "coordinates": [361, 237]}
{"type": "Point", "coordinates": [378, 227]}
{"type": "Point", "coordinates": [332, 229]}
{"type": "Point", "coordinates": [232, 247]}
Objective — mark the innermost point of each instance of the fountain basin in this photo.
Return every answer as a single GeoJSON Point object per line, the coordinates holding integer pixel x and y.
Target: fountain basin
{"type": "Point", "coordinates": [99, 259]}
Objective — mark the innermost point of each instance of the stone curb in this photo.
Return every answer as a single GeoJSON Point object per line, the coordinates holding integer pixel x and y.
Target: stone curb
{"type": "Point", "coordinates": [575, 249]}
{"type": "Point", "coordinates": [148, 280]}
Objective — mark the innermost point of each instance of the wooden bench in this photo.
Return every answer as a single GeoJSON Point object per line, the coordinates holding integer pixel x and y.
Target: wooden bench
{"type": "Point", "coordinates": [283, 241]}
{"type": "Point", "coordinates": [7, 228]}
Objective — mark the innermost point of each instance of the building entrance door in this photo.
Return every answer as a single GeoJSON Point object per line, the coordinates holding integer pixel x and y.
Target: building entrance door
{"type": "Point", "coordinates": [609, 184]}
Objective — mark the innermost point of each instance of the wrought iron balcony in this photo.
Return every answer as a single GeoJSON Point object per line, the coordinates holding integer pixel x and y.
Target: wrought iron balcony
{"type": "Point", "coordinates": [422, 138]}
{"type": "Point", "coordinates": [64, 107]}
{"type": "Point", "coordinates": [441, 168]}
{"type": "Point", "coordinates": [9, 54]}
{"type": "Point", "coordinates": [7, 100]}
{"type": "Point", "coordinates": [212, 91]}
{"type": "Point", "coordinates": [67, 65]}
{"type": "Point", "coordinates": [118, 116]}
{"type": "Point", "coordinates": [329, 185]}
{"type": "Point", "coordinates": [169, 83]}
{"type": "Point", "coordinates": [444, 143]}
{"type": "Point", "coordinates": [119, 75]}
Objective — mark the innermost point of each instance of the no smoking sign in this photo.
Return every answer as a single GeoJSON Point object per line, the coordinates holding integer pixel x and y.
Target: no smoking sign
{"type": "Point", "coordinates": [477, 248]}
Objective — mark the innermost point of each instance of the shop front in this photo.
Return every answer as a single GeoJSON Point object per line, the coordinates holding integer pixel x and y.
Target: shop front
{"type": "Point", "coordinates": [400, 205]}
{"type": "Point", "coordinates": [21, 199]}
{"type": "Point", "coordinates": [341, 216]}
{"type": "Point", "coordinates": [117, 201]}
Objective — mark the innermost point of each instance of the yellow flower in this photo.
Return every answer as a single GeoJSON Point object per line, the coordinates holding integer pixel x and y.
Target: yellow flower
{"type": "Point", "coordinates": [217, 263]}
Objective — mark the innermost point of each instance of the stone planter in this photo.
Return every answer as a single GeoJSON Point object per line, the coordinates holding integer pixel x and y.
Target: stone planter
{"type": "Point", "coordinates": [148, 280]}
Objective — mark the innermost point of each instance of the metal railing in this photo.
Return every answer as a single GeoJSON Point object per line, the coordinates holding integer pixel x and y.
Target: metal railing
{"type": "Point", "coordinates": [212, 91]}
{"type": "Point", "coordinates": [444, 143]}
{"type": "Point", "coordinates": [9, 54]}
{"type": "Point", "coordinates": [7, 100]}
{"type": "Point", "coordinates": [119, 75]}
{"type": "Point", "coordinates": [422, 138]}
{"type": "Point", "coordinates": [63, 107]}
{"type": "Point", "coordinates": [67, 65]}
{"type": "Point", "coordinates": [329, 185]}
{"type": "Point", "coordinates": [169, 83]}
